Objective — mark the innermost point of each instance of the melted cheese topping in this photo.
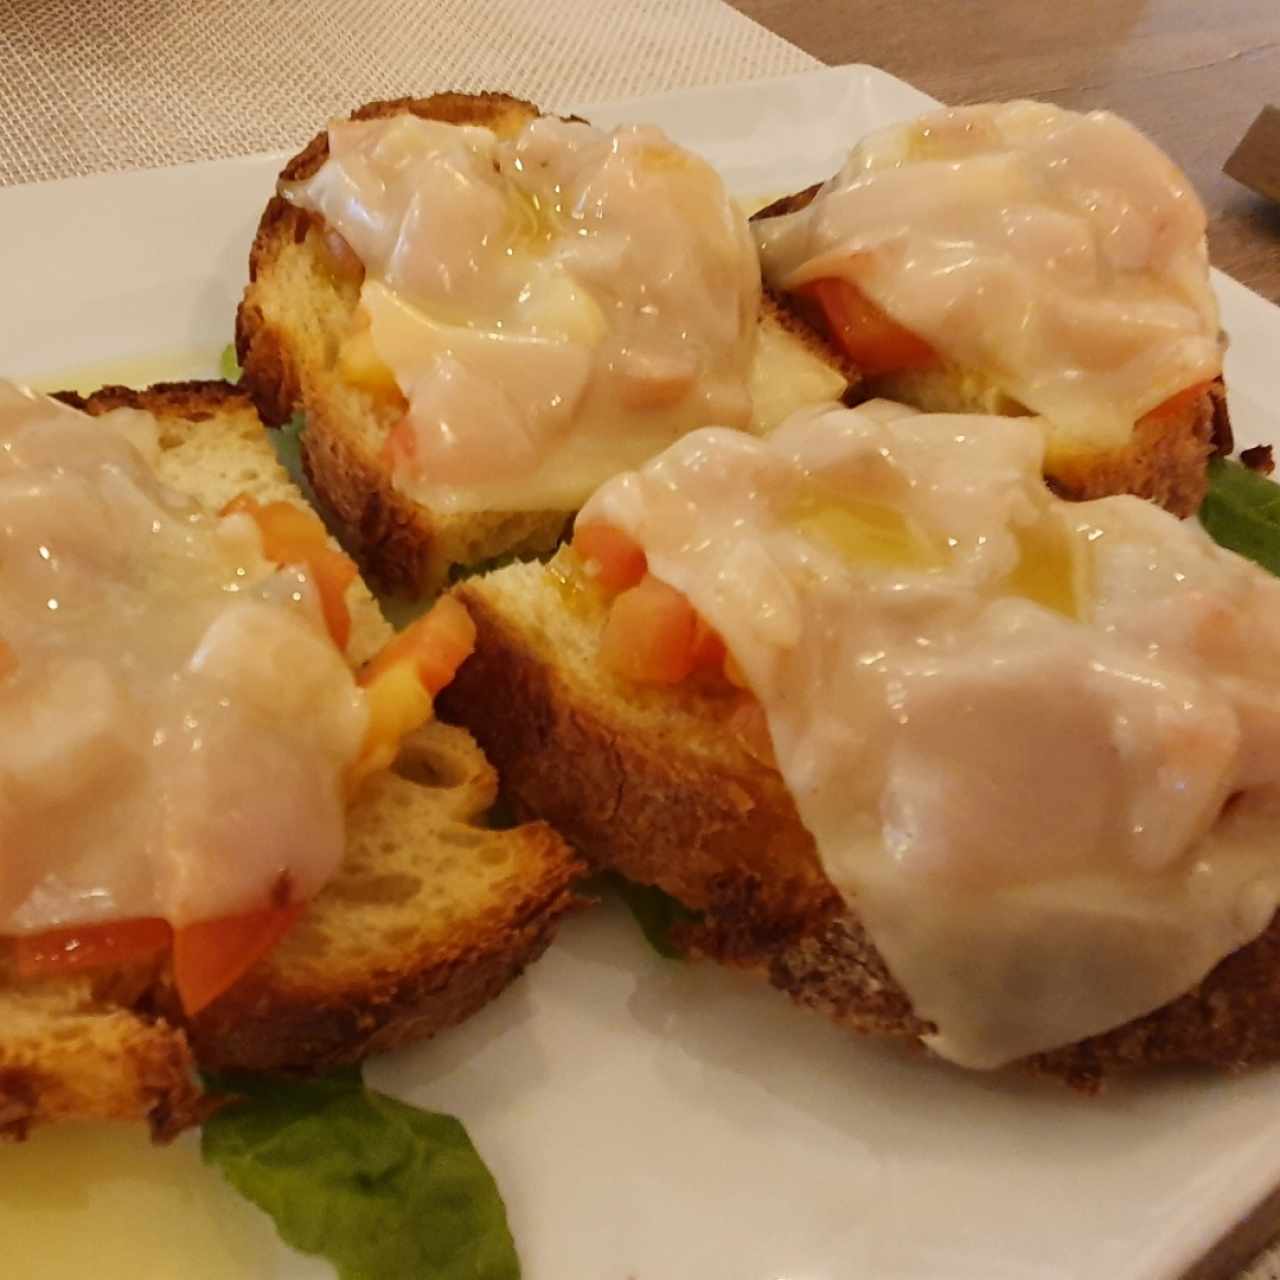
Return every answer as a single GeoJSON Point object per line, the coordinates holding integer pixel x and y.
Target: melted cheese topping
{"type": "Point", "coordinates": [1012, 724]}
{"type": "Point", "coordinates": [1061, 255]}
{"type": "Point", "coordinates": [175, 722]}
{"type": "Point", "coordinates": [555, 307]}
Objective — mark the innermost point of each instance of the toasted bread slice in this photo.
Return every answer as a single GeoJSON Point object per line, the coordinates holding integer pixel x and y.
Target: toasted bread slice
{"type": "Point", "coordinates": [299, 305]}
{"type": "Point", "coordinates": [1165, 460]}
{"type": "Point", "coordinates": [652, 783]}
{"type": "Point", "coordinates": [431, 914]}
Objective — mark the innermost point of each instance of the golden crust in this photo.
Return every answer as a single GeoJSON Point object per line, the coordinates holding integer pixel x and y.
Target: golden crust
{"type": "Point", "coordinates": [724, 838]}
{"type": "Point", "coordinates": [431, 915]}
{"type": "Point", "coordinates": [684, 822]}
{"type": "Point", "coordinates": [67, 1053]}
{"type": "Point", "coordinates": [302, 1011]}
{"type": "Point", "coordinates": [1165, 460]}
{"type": "Point", "coordinates": [289, 368]}
{"type": "Point", "coordinates": [287, 338]}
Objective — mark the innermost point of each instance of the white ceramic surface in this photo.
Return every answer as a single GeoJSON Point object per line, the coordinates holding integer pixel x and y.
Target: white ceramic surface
{"type": "Point", "coordinates": [654, 1121]}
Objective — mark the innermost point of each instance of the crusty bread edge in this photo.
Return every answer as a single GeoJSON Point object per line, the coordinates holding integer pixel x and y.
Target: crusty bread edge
{"type": "Point", "coordinates": [256, 1029]}
{"type": "Point", "coordinates": [1165, 461]}
{"type": "Point", "coordinates": [686, 826]}
{"type": "Point", "coordinates": [401, 546]}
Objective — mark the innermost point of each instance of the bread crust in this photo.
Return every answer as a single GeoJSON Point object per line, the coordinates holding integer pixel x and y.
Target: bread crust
{"type": "Point", "coordinates": [726, 840]}
{"type": "Point", "coordinates": [118, 1046]}
{"type": "Point", "coordinates": [1164, 461]}
{"type": "Point", "coordinates": [402, 546]}
{"type": "Point", "coordinates": [282, 1016]}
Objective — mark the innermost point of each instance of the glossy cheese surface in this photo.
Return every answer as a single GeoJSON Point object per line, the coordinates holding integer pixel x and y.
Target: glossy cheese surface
{"type": "Point", "coordinates": [1060, 256]}
{"type": "Point", "coordinates": [554, 307]}
{"type": "Point", "coordinates": [1036, 742]}
{"type": "Point", "coordinates": [175, 720]}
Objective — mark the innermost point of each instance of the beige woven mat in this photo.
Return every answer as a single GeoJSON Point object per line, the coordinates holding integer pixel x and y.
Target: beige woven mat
{"type": "Point", "coordinates": [88, 86]}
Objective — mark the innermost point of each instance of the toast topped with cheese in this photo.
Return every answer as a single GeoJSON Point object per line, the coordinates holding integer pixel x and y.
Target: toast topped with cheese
{"type": "Point", "coordinates": [483, 312]}
{"type": "Point", "coordinates": [425, 915]}
{"type": "Point", "coordinates": [940, 755]}
{"type": "Point", "coordinates": [1019, 259]}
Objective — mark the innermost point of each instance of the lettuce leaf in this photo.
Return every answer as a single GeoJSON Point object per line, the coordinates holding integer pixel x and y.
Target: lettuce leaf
{"type": "Point", "coordinates": [1241, 511]}
{"type": "Point", "coordinates": [377, 1187]}
{"type": "Point", "coordinates": [228, 365]}
{"type": "Point", "coordinates": [657, 913]}
{"type": "Point", "coordinates": [287, 442]}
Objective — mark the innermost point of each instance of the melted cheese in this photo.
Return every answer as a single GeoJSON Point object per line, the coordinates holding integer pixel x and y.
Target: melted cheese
{"type": "Point", "coordinates": [554, 307]}
{"type": "Point", "coordinates": [1012, 724]}
{"type": "Point", "coordinates": [175, 722]}
{"type": "Point", "coordinates": [1060, 255]}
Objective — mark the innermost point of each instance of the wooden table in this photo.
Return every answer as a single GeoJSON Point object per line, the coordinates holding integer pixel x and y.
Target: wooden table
{"type": "Point", "coordinates": [1192, 73]}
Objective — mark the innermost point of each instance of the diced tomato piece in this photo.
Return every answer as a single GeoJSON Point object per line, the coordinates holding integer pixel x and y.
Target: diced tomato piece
{"type": "Point", "coordinates": [400, 448]}
{"type": "Point", "coordinates": [287, 530]}
{"type": "Point", "coordinates": [213, 955]}
{"type": "Point", "coordinates": [614, 560]}
{"type": "Point", "coordinates": [343, 259]}
{"type": "Point", "coordinates": [874, 342]}
{"type": "Point", "coordinates": [294, 536]}
{"type": "Point", "coordinates": [750, 726]}
{"type": "Point", "coordinates": [649, 635]}
{"type": "Point", "coordinates": [401, 681]}
{"type": "Point", "coordinates": [89, 946]}
{"type": "Point", "coordinates": [333, 573]}
{"type": "Point", "coordinates": [1177, 404]}
{"type": "Point", "coordinates": [708, 648]}
{"type": "Point", "coordinates": [436, 645]}
{"type": "Point", "coordinates": [398, 704]}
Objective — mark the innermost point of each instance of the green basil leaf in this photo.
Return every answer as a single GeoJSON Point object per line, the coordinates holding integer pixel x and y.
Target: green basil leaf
{"type": "Point", "coordinates": [287, 442]}
{"type": "Point", "coordinates": [656, 912]}
{"type": "Point", "coordinates": [377, 1187]}
{"type": "Point", "coordinates": [228, 365]}
{"type": "Point", "coordinates": [1241, 511]}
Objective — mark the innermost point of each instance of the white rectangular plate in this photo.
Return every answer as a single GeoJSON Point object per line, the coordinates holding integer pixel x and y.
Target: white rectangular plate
{"type": "Point", "coordinates": [655, 1121]}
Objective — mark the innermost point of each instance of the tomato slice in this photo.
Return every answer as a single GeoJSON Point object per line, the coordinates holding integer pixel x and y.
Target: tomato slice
{"type": "Point", "coordinates": [211, 956]}
{"type": "Point", "coordinates": [1177, 404]}
{"type": "Point", "coordinates": [874, 341]}
{"type": "Point", "coordinates": [401, 681]}
{"type": "Point", "coordinates": [400, 449]}
{"type": "Point", "coordinates": [649, 635]}
{"type": "Point", "coordinates": [207, 957]}
{"type": "Point", "coordinates": [77, 948]}
{"type": "Point", "coordinates": [291, 535]}
{"type": "Point", "coordinates": [613, 559]}
{"type": "Point", "coordinates": [436, 645]}
{"type": "Point", "coordinates": [708, 647]}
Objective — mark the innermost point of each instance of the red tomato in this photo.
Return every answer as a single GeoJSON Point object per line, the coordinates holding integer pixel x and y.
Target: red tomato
{"type": "Point", "coordinates": [618, 562]}
{"type": "Point", "coordinates": [401, 445]}
{"type": "Point", "coordinates": [89, 946]}
{"type": "Point", "coordinates": [437, 644]}
{"type": "Point", "coordinates": [649, 635]}
{"type": "Point", "coordinates": [211, 956]}
{"type": "Point", "coordinates": [708, 648]}
{"type": "Point", "coordinates": [292, 536]}
{"type": "Point", "coordinates": [874, 342]}
{"type": "Point", "coordinates": [1176, 405]}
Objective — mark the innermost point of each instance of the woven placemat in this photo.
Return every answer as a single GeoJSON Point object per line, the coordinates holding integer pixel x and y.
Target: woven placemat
{"type": "Point", "coordinates": [90, 86]}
